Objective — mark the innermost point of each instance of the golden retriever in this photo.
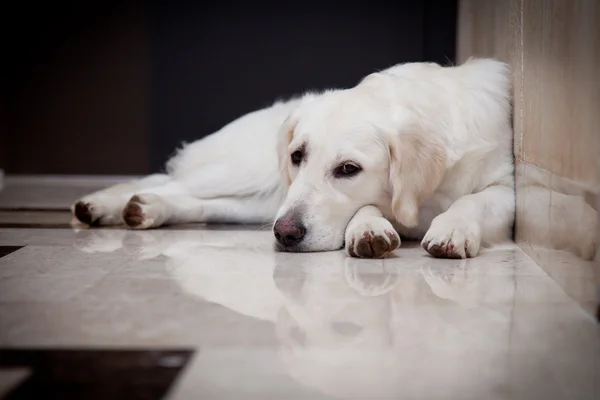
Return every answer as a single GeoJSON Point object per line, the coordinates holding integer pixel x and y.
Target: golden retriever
{"type": "Point", "coordinates": [417, 150]}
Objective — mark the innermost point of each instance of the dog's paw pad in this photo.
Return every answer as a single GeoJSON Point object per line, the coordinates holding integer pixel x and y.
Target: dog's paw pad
{"type": "Point", "coordinates": [137, 199]}
{"type": "Point", "coordinates": [133, 214]}
{"type": "Point", "coordinates": [442, 250]}
{"type": "Point", "coordinates": [83, 212]}
{"type": "Point", "coordinates": [144, 211]}
{"type": "Point", "coordinates": [86, 213]}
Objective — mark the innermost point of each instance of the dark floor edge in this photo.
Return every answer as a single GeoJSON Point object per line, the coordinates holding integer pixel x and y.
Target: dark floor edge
{"type": "Point", "coordinates": [95, 373]}
{"type": "Point", "coordinates": [33, 209]}
{"type": "Point", "coordinates": [6, 250]}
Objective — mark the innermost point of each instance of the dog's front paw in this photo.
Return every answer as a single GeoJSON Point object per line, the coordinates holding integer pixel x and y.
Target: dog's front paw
{"type": "Point", "coordinates": [452, 239]}
{"type": "Point", "coordinates": [145, 211]}
{"type": "Point", "coordinates": [371, 238]}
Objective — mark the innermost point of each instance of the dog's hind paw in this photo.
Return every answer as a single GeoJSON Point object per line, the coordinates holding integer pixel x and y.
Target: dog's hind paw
{"type": "Point", "coordinates": [95, 212]}
{"type": "Point", "coordinates": [145, 211]}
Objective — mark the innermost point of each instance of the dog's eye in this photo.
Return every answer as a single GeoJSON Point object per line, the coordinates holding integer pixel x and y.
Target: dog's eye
{"type": "Point", "coordinates": [297, 157]}
{"type": "Point", "coordinates": [346, 170]}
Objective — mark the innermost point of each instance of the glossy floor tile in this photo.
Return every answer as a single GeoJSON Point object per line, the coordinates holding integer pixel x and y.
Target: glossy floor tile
{"type": "Point", "coordinates": [268, 325]}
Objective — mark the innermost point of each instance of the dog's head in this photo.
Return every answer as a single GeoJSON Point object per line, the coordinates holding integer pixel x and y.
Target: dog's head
{"type": "Point", "coordinates": [345, 149]}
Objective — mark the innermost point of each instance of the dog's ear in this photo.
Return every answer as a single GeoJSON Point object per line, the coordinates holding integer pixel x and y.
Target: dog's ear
{"type": "Point", "coordinates": [417, 167]}
{"type": "Point", "coordinates": [286, 133]}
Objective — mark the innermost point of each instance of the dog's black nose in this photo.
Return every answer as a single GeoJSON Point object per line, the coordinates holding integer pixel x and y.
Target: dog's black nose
{"type": "Point", "coordinates": [289, 232]}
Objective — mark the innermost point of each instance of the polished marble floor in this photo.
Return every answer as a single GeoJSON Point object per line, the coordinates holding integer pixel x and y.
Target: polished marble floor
{"type": "Point", "coordinates": [251, 323]}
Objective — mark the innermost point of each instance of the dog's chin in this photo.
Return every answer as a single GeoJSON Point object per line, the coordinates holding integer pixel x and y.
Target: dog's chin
{"type": "Point", "coordinates": [300, 248]}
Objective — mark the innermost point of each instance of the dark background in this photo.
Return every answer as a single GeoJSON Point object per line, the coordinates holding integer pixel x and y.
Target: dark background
{"type": "Point", "coordinates": [112, 87]}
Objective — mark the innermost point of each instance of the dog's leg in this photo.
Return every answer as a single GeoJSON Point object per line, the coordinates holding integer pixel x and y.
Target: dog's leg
{"type": "Point", "coordinates": [152, 209]}
{"type": "Point", "coordinates": [104, 206]}
{"type": "Point", "coordinates": [369, 235]}
{"type": "Point", "coordinates": [484, 217]}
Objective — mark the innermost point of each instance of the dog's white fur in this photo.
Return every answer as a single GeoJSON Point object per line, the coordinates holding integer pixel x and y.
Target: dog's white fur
{"type": "Point", "coordinates": [434, 145]}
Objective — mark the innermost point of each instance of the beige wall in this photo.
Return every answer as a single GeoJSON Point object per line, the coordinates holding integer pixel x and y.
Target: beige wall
{"type": "Point", "coordinates": [553, 47]}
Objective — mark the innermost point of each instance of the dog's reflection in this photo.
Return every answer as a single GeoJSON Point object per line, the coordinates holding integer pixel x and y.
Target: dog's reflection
{"type": "Point", "coordinates": [230, 268]}
{"type": "Point", "coordinates": [346, 327]}
{"type": "Point", "coordinates": [363, 329]}
{"type": "Point", "coordinates": [328, 300]}
{"type": "Point", "coordinates": [556, 214]}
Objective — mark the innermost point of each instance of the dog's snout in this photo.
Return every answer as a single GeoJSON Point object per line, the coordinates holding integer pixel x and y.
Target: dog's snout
{"type": "Point", "coordinates": [289, 232]}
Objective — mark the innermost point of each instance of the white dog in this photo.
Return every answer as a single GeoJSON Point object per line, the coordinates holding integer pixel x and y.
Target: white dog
{"type": "Point", "coordinates": [417, 150]}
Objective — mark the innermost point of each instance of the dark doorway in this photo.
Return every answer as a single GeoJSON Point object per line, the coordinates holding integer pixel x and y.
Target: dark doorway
{"type": "Point", "coordinates": [114, 89]}
{"type": "Point", "coordinates": [217, 61]}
